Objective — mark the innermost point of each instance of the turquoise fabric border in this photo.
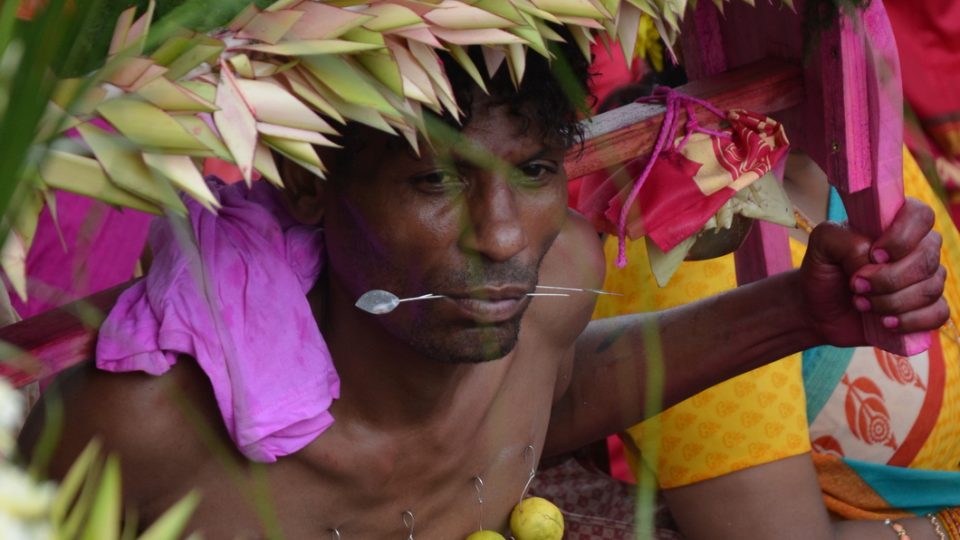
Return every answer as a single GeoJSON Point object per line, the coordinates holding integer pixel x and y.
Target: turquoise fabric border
{"type": "Point", "coordinates": [835, 210]}
{"type": "Point", "coordinates": [914, 490]}
{"type": "Point", "coordinates": [823, 367]}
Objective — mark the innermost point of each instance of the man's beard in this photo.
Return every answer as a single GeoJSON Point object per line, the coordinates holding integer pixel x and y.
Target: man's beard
{"type": "Point", "coordinates": [471, 343]}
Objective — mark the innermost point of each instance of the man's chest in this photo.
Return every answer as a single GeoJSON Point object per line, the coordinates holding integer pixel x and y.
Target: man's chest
{"type": "Point", "coordinates": [378, 486]}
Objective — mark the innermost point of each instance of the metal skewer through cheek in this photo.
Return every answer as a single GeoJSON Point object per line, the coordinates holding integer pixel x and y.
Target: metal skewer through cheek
{"type": "Point", "coordinates": [380, 302]}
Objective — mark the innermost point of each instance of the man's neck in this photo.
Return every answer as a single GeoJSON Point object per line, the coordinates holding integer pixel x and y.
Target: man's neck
{"type": "Point", "coordinates": [386, 383]}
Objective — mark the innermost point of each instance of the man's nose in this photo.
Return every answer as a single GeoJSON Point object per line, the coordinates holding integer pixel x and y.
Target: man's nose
{"type": "Point", "coordinates": [493, 226]}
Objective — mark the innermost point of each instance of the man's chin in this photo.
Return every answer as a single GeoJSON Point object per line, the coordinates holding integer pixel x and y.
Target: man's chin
{"type": "Point", "coordinates": [473, 345]}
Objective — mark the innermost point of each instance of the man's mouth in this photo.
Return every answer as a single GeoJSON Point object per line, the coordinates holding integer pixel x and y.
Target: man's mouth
{"type": "Point", "coordinates": [491, 305]}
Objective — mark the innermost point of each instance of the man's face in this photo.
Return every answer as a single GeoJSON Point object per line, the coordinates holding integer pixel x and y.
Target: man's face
{"type": "Point", "coordinates": [473, 226]}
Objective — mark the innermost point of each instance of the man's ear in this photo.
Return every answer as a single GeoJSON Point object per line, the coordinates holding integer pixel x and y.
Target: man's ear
{"type": "Point", "coordinates": [303, 192]}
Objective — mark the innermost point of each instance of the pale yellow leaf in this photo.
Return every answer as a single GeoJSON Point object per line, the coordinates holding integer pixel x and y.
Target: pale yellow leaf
{"type": "Point", "coordinates": [383, 68]}
{"type": "Point", "coordinates": [417, 83]}
{"type": "Point", "coordinates": [266, 165]}
{"type": "Point", "coordinates": [533, 35]}
{"type": "Point", "coordinates": [313, 47]}
{"type": "Point", "coordinates": [54, 121]}
{"type": "Point", "coordinates": [264, 70]}
{"type": "Point", "coordinates": [172, 48]}
{"type": "Point", "coordinates": [77, 96]}
{"type": "Point", "coordinates": [581, 21]}
{"type": "Point", "coordinates": [204, 90]}
{"type": "Point", "coordinates": [203, 49]}
{"type": "Point", "coordinates": [493, 58]}
{"type": "Point", "coordinates": [363, 35]}
{"type": "Point", "coordinates": [387, 16]}
{"type": "Point", "coordinates": [491, 36]}
{"type": "Point", "coordinates": [205, 134]}
{"type": "Point", "coordinates": [646, 7]}
{"type": "Point", "coordinates": [584, 39]}
{"type": "Point", "coordinates": [300, 152]}
{"type": "Point", "coordinates": [450, 104]}
{"type": "Point", "coordinates": [125, 71]}
{"type": "Point", "coordinates": [147, 125]}
{"type": "Point", "coordinates": [273, 104]}
{"type": "Point", "coordinates": [124, 22]}
{"type": "Point", "coordinates": [295, 134]}
{"type": "Point", "coordinates": [365, 115]}
{"type": "Point", "coordinates": [270, 26]}
{"type": "Point", "coordinates": [628, 25]}
{"type": "Point", "coordinates": [461, 16]}
{"type": "Point", "coordinates": [84, 176]}
{"type": "Point", "coordinates": [137, 35]}
{"type": "Point", "coordinates": [605, 11]}
{"type": "Point", "coordinates": [183, 172]}
{"type": "Point", "coordinates": [152, 73]}
{"type": "Point", "coordinates": [283, 4]}
{"type": "Point", "coordinates": [527, 6]}
{"type": "Point", "coordinates": [13, 261]}
{"type": "Point", "coordinates": [241, 65]}
{"type": "Point", "coordinates": [430, 62]}
{"type": "Point", "coordinates": [516, 62]}
{"type": "Point", "coordinates": [302, 87]}
{"type": "Point", "coordinates": [347, 82]}
{"type": "Point", "coordinates": [570, 8]}
{"type": "Point", "coordinates": [236, 123]}
{"type": "Point", "coordinates": [460, 55]}
{"type": "Point", "coordinates": [421, 35]}
{"type": "Point", "coordinates": [608, 7]}
{"type": "Point", "coordinates": [500, 8]}
{"type": "Point", "coordinates": [321, 21]}
{"type": "Point", "coordinates": [171, 97]}
{"type": "Point", "coordinates": [125, 168]}
{"type": "Point", "coordinates": [547, 32]}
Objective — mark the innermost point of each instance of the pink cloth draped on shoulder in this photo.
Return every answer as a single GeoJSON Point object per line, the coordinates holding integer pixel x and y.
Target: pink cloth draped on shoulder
{"type": "Point", "coordinates": [230, 291]}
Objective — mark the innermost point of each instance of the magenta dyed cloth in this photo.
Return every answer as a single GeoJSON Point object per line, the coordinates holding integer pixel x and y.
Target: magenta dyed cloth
{"type": "Point", "coordinates": [231, 293]}
{"type": "Point", "coordinates": [90, 246]}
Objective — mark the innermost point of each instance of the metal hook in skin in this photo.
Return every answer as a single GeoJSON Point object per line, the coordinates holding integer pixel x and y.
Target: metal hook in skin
{"type": "Point", "coordinates": [530, 452]}
{"type": "Point", "coordinates": [478, 484]}
{"type": "Point", "coordinates": [335, 533]}
{"type": "Point", "coordinates": [409, 522]}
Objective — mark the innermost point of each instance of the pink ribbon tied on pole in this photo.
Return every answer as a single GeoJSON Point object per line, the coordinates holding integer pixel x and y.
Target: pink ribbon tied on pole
{"type": "Point", "coordinates": [671, 194]}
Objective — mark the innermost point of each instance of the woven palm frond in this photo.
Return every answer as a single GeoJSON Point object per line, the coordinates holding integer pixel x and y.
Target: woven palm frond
{"type": "Point", "coordinates": [282, 79]}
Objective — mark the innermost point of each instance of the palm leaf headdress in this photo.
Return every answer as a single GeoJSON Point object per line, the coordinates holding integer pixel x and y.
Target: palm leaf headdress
{"type": "Point", "coordinates": [280, 80]}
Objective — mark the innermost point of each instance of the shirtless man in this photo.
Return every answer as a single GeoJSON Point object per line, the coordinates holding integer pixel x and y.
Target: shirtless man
{"type": "Point", "coordinates": [439, 392]}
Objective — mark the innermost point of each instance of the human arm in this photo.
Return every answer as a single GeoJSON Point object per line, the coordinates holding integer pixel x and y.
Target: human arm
{"type": "Point", "coordinates": [780, 500]}
{"type": "Point", "coordinates": [145, 420]}
{"type": "Point", "coordinates": [750, 326]}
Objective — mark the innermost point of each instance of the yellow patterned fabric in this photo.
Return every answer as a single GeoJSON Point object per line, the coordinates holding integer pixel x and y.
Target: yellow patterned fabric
{"type": "Point", "coordinates": [759, 416]}
{"type": "Point", "coordinates": [755, 418]}
{"type": "Point", "coordinates": [941, 450]}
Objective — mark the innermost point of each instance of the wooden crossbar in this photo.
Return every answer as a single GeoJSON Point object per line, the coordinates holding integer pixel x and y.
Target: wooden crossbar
{"type": "Point", "coordinates": [619, 135]}
{"type": "Point", "coordinates": [51, 342]}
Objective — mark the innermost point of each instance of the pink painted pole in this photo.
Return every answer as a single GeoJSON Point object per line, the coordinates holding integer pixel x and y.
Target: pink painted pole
{"type": "Point", "coordinates": [863, 106]}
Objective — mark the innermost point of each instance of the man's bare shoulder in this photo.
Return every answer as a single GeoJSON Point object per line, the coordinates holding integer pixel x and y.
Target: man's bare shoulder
{"type": "Point", "coordinates": [575, 260]}
{"type": "Point", "coordinates": [160, 426]}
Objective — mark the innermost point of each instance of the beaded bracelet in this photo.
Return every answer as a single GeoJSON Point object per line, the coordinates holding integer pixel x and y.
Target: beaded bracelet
{"type": "Point", "coordinates": [897, 528]}
{"type": "Point", "coordinates": [937, 528]}
{"type": "Point", "coordinates": [950, 519]}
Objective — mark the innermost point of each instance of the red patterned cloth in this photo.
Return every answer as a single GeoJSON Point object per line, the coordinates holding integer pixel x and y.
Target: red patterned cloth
{"type": "Point", "coordinates": [594, 505]}
{"type": "Point", "coordinates": [671, 194]}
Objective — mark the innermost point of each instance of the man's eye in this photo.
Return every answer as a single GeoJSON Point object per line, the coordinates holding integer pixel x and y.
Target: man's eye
{"type": "Point", "coordinates": [440, 181]}
{"type": "Point", "coordinates": [536, 172]}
